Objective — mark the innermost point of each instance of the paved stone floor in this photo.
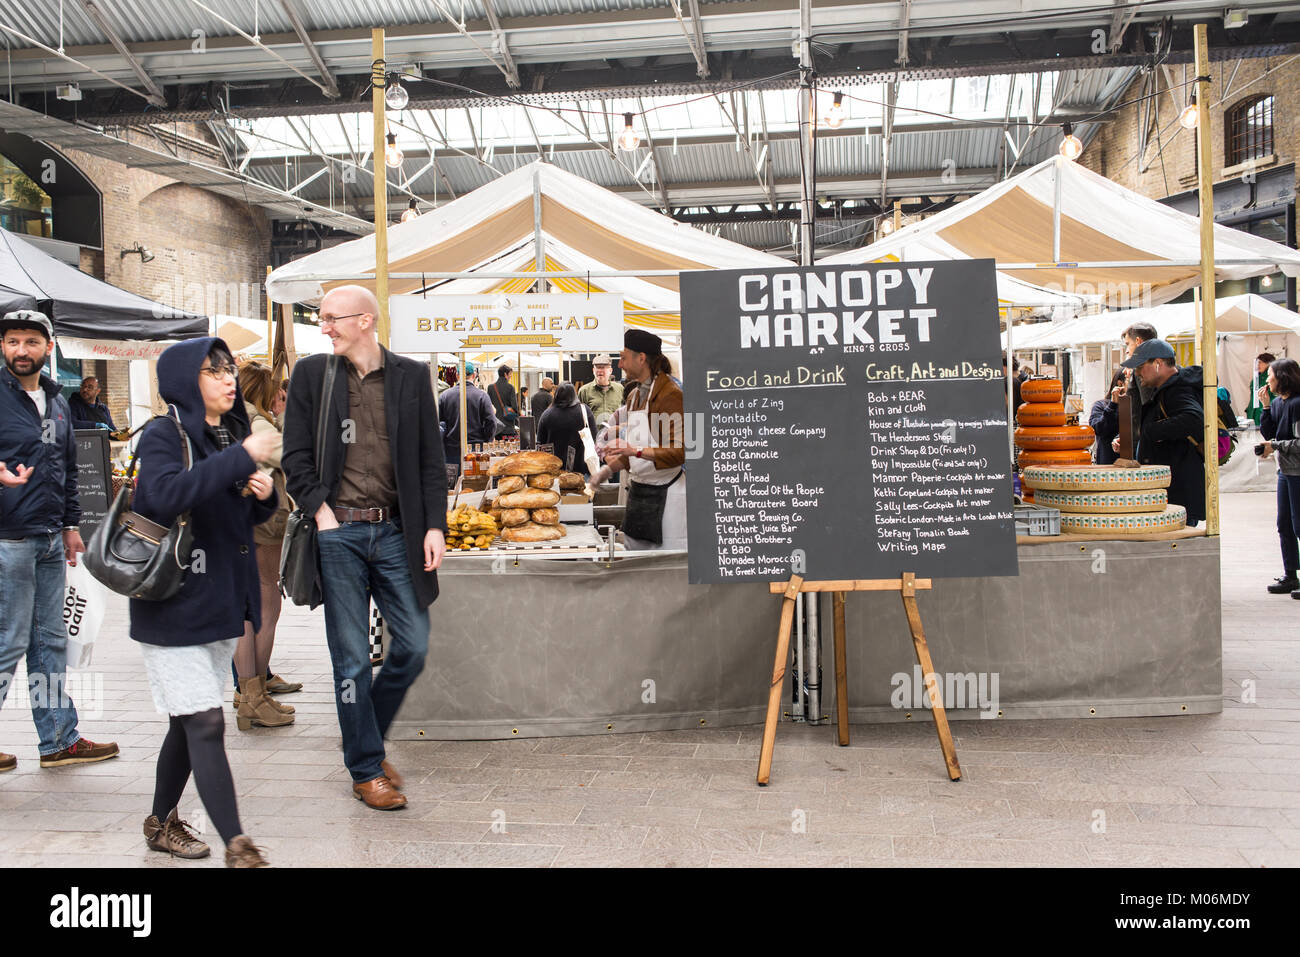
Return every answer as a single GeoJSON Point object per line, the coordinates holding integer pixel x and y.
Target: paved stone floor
{"type": "Point", "coordinates": [1209, 790]}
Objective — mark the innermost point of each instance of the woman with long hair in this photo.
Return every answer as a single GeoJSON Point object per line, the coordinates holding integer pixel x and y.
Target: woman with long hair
{"type": "Point", "coordinates": [1104, 419]}
{"type": "Point", "coordinates": [1279, 424]}
{"type": "Point", "coordinates": [264, 404]}
{"type": "Point", "coordinates": [202, 461]}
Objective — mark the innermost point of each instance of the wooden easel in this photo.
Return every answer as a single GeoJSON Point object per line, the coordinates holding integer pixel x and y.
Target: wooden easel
{"type": "Point", "coordinates": [908, 584]}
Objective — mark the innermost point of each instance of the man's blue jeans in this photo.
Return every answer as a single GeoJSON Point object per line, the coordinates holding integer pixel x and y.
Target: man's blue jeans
{"type": "Point", "coordinates": [357, 560]}
{"type": "Point", "coordinates": [31, 624]}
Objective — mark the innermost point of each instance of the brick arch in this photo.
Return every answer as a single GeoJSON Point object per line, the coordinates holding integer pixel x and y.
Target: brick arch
{"type": "Point", "coordinates": [165, 193]}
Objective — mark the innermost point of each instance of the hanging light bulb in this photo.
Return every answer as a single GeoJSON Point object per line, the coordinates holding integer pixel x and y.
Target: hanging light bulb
{"type": "Point", "coordinates": [886, 227]}
{"type": "Point", "coordinates": [835, 115]}
{"type": "Point", "coordinates": [629, 139]}
{"type": "Point", "coordinates": [1190, 116]}
{"type": "Point", "coordinates": [1071, 145]}
{"type": "Point", "coordinates": [396, 96]}
{"type": "Point", "coordinates": [410, 212]}
{"type": "Point", "coordinates": [393, 154]}
{"type": "Point", "coordinates": [1266, 282]}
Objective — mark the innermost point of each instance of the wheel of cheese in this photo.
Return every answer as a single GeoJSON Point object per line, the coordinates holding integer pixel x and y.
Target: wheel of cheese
{"type": "Point", "coordinates": [1040, 413]}
{"type": "Point", "coordinates": [1095, 478]}
{"type": "Point", "coordinates": [1070, 457]}
{"type": "Point", "coordinates": [1104, 503]}
{"type": "Point", "coordinates": [1171, 519]}
{"type": "Point", "coordinates": [1042, 390]}
{"type": "Point", "coordinates": [1055, 438]}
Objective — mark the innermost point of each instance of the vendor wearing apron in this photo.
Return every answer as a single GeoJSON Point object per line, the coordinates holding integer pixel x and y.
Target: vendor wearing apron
{"type": "Point", "coordinates": [652, 448]}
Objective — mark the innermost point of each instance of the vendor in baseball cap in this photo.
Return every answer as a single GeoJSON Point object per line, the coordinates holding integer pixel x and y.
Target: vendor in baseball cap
{"type": "Point", "coordinates": [28, 319]}
{"type": "Point", "coordinates": [1146, 351]}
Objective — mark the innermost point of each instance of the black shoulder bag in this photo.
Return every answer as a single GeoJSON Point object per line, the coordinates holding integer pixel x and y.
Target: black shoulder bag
{"type": "Point", "coordinates": [300, 578]}
{"type": "Point", "coordinates": [134, 556]}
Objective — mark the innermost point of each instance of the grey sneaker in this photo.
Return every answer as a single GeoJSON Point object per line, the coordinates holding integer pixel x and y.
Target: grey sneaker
{"type": "Point", "coordinates": [173, 837]}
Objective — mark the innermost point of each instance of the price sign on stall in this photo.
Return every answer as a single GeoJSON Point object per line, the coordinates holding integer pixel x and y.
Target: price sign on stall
{"type": "Point", "coordinates": [851, 419]}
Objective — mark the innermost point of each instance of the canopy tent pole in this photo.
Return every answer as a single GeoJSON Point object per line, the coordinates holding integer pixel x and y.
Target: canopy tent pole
{"type": "Point", "coordinates": [1056, 210]}
{"type": "Point", "coordinates": [464, 415]}
{"type": "Point", "coordinates": [270, 327]}
{"type": "Point", "coordinates": [377, 106]}
{"type": "Point", "coordinates": [1209, 367]}
{"type": "Point", "coordinates": [807, 135]}
{"type": "Point", "coordinates": [1011, 411]}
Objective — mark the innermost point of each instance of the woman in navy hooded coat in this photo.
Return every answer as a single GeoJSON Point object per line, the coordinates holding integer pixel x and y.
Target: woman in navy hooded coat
{"type": "Point", "coordinates": [187, 641]}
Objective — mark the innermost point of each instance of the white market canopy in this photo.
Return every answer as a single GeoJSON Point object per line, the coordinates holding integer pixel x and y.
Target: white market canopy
{"type": "Point", "coordinates": [582, 227]}
{"type": "Point", "coordinates": [1235, 315]}
{"type": "Point", "coordinates": [1100, 222]}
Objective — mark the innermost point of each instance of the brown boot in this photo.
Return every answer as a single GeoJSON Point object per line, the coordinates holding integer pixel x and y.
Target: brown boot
{"type": "Point", "coordinates": [282, 708]}
{"type": "Point", "coordinates": [173, 837]}
{"type": "Point", "coordinates": [256, 708]}
{"type": "Point", "coordinates": [241, 852]}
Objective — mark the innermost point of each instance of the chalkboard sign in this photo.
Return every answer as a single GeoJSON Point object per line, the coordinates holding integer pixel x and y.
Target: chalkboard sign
{"type": "Point", "coordinates": [94, 478]}
{"type": "Point", "coordinates": [849, 418]}
{"type": "Point", "coordinates": [527, 432]}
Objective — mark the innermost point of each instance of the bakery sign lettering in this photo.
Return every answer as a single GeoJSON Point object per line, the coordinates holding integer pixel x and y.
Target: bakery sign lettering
{"type": "Point", "coordinates": [570, 322]}
{"type": "Point", "coordinates": [852, 416]}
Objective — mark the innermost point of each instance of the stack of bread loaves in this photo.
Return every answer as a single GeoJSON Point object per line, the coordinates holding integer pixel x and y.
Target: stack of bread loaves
{"type": "Point", "coordinates": [527, 496]}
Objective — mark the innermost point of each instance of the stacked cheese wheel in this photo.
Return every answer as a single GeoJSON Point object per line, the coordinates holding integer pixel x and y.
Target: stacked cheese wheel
{"type": "Point", "coordinates": [1104, 499]}
{"type": "Point", "coordinates": [525, 505]}
{"type": "Point", "coordinates": [1043, 437]}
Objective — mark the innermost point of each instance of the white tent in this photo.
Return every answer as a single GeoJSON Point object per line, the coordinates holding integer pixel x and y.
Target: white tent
{"type": "Point", "coordinates": [1102, 227]}
{"type": "Point", "coordinates": [582, 228]}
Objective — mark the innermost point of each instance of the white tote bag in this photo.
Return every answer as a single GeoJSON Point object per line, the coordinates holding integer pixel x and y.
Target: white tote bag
{"type": "Point", "coordinates": [84, 603]}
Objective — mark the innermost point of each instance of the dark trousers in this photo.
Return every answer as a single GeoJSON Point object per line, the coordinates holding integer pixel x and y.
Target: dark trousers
{"type": "Point", "coordinates": [1288, 516]}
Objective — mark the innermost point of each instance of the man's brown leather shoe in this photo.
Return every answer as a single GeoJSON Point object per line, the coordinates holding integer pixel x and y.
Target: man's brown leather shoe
{"type": "Point", "coordinates": [8, 761]}
{"type": "Point", "coordinates": [390, 772]}
{"type": "Point", "coordinates": [379, 794]}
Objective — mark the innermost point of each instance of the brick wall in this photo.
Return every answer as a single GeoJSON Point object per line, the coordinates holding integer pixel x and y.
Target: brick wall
{"type": "Point", "coordinates": [210, 252]}
{"type": "Point", "coordinates": [1166, 163]}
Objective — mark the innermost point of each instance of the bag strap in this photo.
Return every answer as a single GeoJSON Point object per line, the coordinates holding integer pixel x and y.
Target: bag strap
{"type": "Point", "coordinates": [327, 399]}
{"type": "Point", "coordinates": [1196, 445]}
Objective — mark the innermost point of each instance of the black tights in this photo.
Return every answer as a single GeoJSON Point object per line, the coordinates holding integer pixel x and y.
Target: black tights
{"type": "Point", "coordinates": [196, 742]}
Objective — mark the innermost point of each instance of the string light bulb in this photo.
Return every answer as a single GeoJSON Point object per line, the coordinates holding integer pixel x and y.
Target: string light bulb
{"type": "Point", "coordinates": [393, 154]}
{"type": "Point", "coordinates": [1071, 145]}
{"type": "Point", "coordinates": [835, 115]}
{"type": "Point", "coordinates": [411, 211]}
{"type": "Point", "coordinates": [1190, 116]}
{"type": "Point", "coordinates": [886, 226]}
{"type": "Point", "coordinates": [1266, 282]}
{"type": "Point", "coordinates": [396, 96]}
{"type": "Point", "coordinates": [629, 139]}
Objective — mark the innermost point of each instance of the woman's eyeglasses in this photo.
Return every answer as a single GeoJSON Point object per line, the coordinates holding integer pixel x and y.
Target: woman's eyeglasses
{"type": "Point", "coordinates": [220, 371]}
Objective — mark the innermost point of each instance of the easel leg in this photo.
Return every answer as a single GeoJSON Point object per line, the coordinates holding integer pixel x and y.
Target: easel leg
{"type": "Point", "coordinates": [778, 678]}
{"type": "Point", "coordinates": [927, 669]}
{"type": "Point", "coordinates": [841, 672]}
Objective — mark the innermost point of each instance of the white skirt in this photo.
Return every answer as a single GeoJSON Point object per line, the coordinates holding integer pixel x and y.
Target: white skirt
{"type": "Point", "coordinates": [188, 679]}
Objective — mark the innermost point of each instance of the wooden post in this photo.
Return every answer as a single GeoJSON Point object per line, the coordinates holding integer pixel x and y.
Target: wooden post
{"type": "Point", "coordinates": [270, 325]}
{"type": "Point", "coordinates": [377, 105]}
{"type": "Point", "coordinates": [778, 678]}
{"type": "Point", "coordinates": [841, 672]}
{"type": "Point", "coordinates": [927, 670]}
{"type": "Point", "coordinates": [1209, 358]}
{"type": "Point", "coordinates": [286, 336]}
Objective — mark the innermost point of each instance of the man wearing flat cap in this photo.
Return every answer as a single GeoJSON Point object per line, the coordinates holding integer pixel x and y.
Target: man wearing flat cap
{"type": "Point", "coordinates": [651, 446]}
{"type": "Point", "coordinates": [603, 396]}
{"type": "Point", "coordinates": [1173, 423]}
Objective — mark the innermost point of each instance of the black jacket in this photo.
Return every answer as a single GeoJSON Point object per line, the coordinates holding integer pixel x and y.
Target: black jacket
{"type": "Point", "coordinates": [503, 397]}
{"type": "Point", "coordinates": [221, 590]}
{"type": "Point", "coordinates": [480, 421]}
{"type": "Point", "coordinates": [541, 401]}
{"type": "Point", "coordinates": [560, 427]}
{"type": "Point", "coordinates": [48, 500]}
{"type": "Point", "coordinates": [414, 442]}
{"type": "Point", "coordinates": [87, 416]}
{"type": "Point", "coordinates": [1104, 419]}
{"type": "Point", "coordinates": [1170, 421]}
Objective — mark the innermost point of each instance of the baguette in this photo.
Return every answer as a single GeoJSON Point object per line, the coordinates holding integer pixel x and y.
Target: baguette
{"type": "Point", "coordinates": [526, 463]}
{"type": "Point", "coordinates": [529, 498]}
{"type": "Point", "coordinates": [532, 533]}
{"type": "Point", "coordinates": [546, 516]}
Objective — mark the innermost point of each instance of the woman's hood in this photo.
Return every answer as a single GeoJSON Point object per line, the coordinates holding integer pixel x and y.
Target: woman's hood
{"type": "Point", "coordinates": [178, 385]}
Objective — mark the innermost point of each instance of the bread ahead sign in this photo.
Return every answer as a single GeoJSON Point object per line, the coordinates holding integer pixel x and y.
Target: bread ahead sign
{"type": "Point", "coordinates": [500, 322]}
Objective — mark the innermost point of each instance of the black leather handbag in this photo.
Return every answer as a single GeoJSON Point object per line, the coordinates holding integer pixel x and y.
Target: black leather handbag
{"type": "Point", "coordinates": [300, 578]}
{"type": "Point", "coordinates": [134, 556]}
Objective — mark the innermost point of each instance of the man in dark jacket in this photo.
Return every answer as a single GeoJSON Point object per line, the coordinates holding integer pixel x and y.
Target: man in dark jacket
{"type": "Point", "coordinates": [380, 505]}
{"type": "Point", "coordinates": [39, 515]}
{"type": "Point", "coordinates": [504, 400]}
{"type": "Point", "coordinates": [1173, 423]}
{"type": "Point", "coordinates": [480, 417]}
{"type": "Point", "coordinates": [87, 411]}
